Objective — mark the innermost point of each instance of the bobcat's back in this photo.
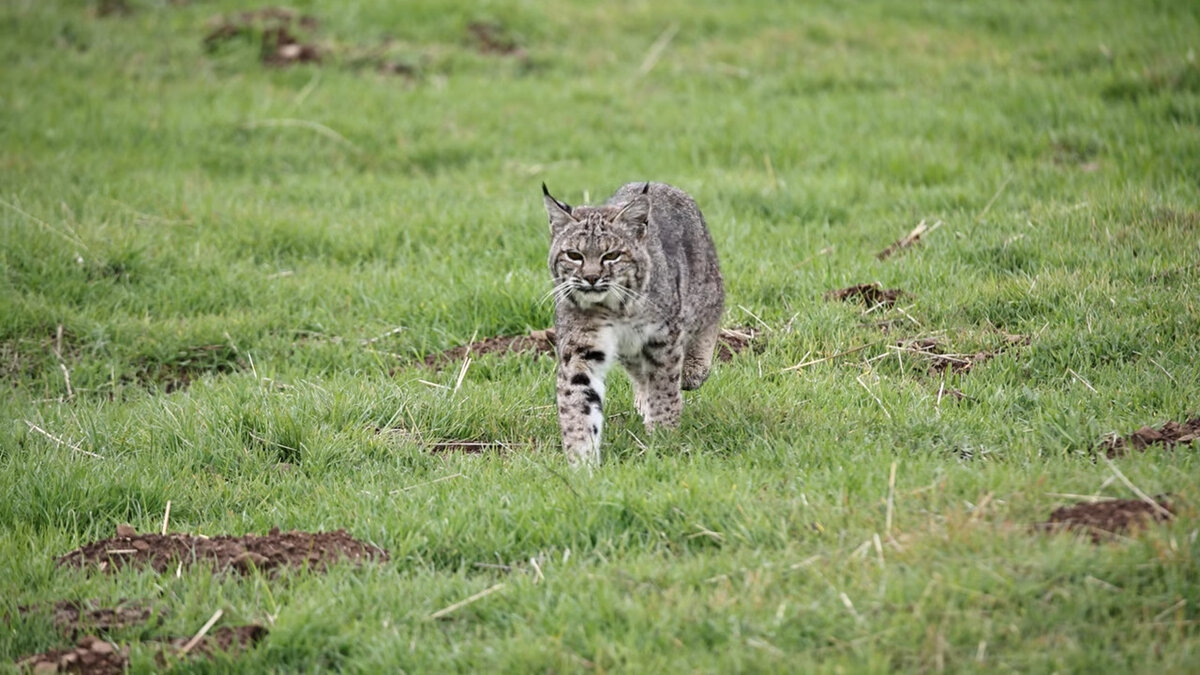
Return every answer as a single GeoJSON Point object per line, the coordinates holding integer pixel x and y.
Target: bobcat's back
{"type": "Point", "coordinates": [687, 272]}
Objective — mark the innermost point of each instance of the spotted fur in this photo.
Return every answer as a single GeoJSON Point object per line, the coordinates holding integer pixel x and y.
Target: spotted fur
{"type": "Point", "coordinates": [636, 282]}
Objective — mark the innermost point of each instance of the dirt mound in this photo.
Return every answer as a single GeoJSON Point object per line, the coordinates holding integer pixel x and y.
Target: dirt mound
{"type": "Point", "coordinates": [280, 33]}
{"type": "Point", "coordinates": [91, 655]}
{"type": "Point", "coordinates": [1167, 435]}
{"type": "Point", "coordinates": [164, 552]}
{"type": "Point", "coordinates": [73, 618]}
{"type": "Point", "coordinates": [538, 342]}
{"type": "Point", "coordinates": [869, 294]}
{"type": "Point", "coordinates": [734, 340]}
{"type": "Point", "coordinates": [223, 639]}
{"type": "Point", "coordinates": [1105, 518]}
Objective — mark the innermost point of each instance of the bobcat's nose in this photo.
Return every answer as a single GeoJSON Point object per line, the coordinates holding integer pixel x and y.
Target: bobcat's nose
{"type": "Point", "coordinates": [592, 279]}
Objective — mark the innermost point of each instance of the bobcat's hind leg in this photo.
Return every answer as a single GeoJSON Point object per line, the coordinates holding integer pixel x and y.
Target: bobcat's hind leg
{"type": "Point", "coordinates": [697, 360]}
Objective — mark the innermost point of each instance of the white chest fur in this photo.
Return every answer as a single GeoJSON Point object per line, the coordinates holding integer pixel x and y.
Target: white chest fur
{"type": "Point", "coordinates": [629, 338]}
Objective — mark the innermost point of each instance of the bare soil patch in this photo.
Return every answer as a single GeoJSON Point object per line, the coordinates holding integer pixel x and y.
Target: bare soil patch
{"type": "Point", "coordinates": [539, 342]}
{"type": "Point", "coordinates": [73, 618]}
{"type": "Point", "coordinates": [190, 363]}
{"type": "Point", "coordinates": [1173, 219]}
{"type": "Point", "coordinates": [90, 655]}
{"type": "Point", "coordinates": [224, 639]}
{"type": "Point", "coordinates": [107, 8]}
{"type": "Point", "coordinates": [283, 35]}
{"type": "Point", "coordinates": [24, 357]}
{"type": "Point", "coordinates": [941, 362]}
{"type": "Point", "coordinates": [1103, 519]}
{"type": "Point", "coordinates": [869, 294]}
{"type": "Point", "coordinates": [733, 341]}
{"type": "Point", "coordinates": [492, 38]}
{"type": "Point", "coordinates": [264, 552]}
{"type": "Point", "coordinates": [94, 656]}
{"type": "Point", "coordinates": [1168, 435]}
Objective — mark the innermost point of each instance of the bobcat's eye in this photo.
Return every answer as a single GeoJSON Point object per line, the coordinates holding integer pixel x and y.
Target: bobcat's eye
{"type": "Point", "coordinates": [574, 256]}
{"type": "Point", "coordinates": [611, 256]}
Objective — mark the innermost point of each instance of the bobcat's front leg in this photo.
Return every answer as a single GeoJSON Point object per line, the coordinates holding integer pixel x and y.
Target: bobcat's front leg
{"type": "Point", "coordinates": [656, 377]}
{"type": "Point", "coordinates": [663, 361]}
{"type": "Point", "coordinates": [583, 363]}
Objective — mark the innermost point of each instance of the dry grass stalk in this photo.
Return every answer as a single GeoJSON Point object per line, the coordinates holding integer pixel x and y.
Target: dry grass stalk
{"type": "Point", "coordinates": [877, 400]}
{"type": "Point", "coordinates": [831, 357]}
{"type": "Point", "coordinates": [202, 632]}
{"type": "Point", "coordinates": [987, 207]}
{"type": "Point", "coordinates": [305, 124]}
{"type": "Point", "coordinates": [908, 240]}
{"type": "Point", "coordinates": [891, 500]}
{"type": "Point", "coordinates": [463, 603]}
{"type": "Point", "coordinates": [657, 49]}
{"type": "Point", "coordinates": [428, 482]}
{"type": "Point", "coordinates": [462, 373]}
{"type": "Point", "coordinates": [1141, 495]}
{"type": "Point", "coordinates": [60, 441]}
{"type": "Point", "coordinates": [1081, 379]}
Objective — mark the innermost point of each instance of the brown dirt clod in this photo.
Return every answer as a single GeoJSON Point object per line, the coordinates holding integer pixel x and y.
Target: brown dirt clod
{"type": "Point", "coordinates": [869, 294]}
{"type": "Point", "coordinates": [263, 552]}
{"type": "Point", "coordinates": [1103, 519]}
{"type": "Point", "coordinates": [1168, 435]}
{"type": "Point", "coordinates": [91, 656]}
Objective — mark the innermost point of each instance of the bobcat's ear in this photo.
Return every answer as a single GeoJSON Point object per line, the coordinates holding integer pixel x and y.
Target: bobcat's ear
{"type": "Point", "coordinates": [636, 214]}
{"type": "Point", "coordinates": [559, 213]}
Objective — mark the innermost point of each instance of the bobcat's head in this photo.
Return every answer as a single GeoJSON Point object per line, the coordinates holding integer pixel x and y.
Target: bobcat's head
{"type": "Point", "coordinates": [597, 253]}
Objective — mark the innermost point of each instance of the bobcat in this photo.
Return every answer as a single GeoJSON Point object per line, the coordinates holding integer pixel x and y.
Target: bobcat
{"type": "Point", "coordinates": [636, 282]}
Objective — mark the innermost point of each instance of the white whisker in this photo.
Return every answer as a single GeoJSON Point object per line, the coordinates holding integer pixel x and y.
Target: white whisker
{"type": "Point", "coordinates": [559, 292]}
{"type": "Point", "coordinates": [627, 294]}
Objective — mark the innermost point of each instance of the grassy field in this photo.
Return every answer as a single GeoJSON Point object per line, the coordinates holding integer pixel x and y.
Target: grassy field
{"type": "Point", "coordinates": [221, 276]}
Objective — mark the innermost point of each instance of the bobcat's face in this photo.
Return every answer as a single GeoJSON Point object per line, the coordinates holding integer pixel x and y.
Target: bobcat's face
{"type": "Point", "coordinates": [597, 268]}
{"type": "Point", "coordinates": [596, 253]}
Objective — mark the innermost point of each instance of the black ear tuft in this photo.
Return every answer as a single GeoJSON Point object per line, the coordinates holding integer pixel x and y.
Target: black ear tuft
{"type": "Point", "coordinates": [645, 190]}
{"type": "Point", "coordinates": [561, 205]}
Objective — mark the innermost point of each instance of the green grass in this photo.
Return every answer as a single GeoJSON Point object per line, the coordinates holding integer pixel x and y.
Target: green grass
{"type": "Point", "coordinates": [218, 275]}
